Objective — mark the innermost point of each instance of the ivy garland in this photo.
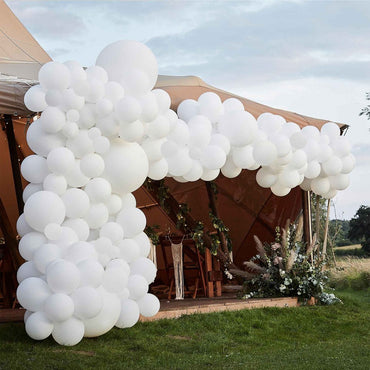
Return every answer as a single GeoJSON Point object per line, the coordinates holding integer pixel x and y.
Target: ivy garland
{"type": "Point", "coordinates": [198, 232]}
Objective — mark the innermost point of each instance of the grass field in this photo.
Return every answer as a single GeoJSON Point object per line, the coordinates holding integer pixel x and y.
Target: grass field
{"type": "Point", "coordinates": [319, 337]}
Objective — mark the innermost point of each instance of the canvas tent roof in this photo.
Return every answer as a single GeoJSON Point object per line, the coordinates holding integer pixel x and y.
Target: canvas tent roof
{"type": "Point", "coordinates": [21, 57]}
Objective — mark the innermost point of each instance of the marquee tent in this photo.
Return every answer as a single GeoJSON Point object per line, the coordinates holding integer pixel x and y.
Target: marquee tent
{"type": "Point", "coordinates": [245, 208]}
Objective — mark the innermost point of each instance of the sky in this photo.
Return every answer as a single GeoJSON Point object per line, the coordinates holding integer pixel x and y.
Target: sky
{"type": "Point", "coordinates": [310, 57]}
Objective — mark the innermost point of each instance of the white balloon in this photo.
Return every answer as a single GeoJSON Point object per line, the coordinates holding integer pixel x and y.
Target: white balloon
{"type": "Point", "coordinates": [163, 100]}
{"type": "Point", "coordinates": [230, 170]}
{"type": "Point", "coordinates": [38, 326]}
{"type": "Point", "coordinates": [129, 314]}
{"type": "Point", "coordinates": [128, 109]}
{"type": "Point", "coordinates": [126, 175]}
{"type": "Point", "coordinates": [114, 280]}
{"type": "Point", "coordinates": [210, 175]}
{"type": "Point", "coordinates": [289, 178]}
{"type": "Point", "coordinates": [264, 153]}
{"type": "Point", "coordinates": [243, 157]}
{"type": "Point", "coordinates": [123, 59]}
{"type": "Point", "coordinates": [97, 215]}
{"type": "Point", "coordinates": [132, 220]}
{"type": "Point", "coordinates": [107, 317]}
{"type": "Point", "coordinates": [129, 250]}
{"type": "Point", "coordinates": [52, 120]}
{"type": "Point", "coordinates": [137, 286]}
{"type": "Point", "coordinates": [348, 163]}
{"type": "Point", "coordinates": [34, 99]}
{"type": "Point", "coordinates": [76, 203]}
{"type": "Point", "coordinates": [221, 141]}
{"type": "Point", "coordinates": [31, 189]}
{"type": "Point", "coordinates": [210, 105]}
{"type": "Point", "coordinates": [233, 104]}
{"type": "Point", "coordinates": [298, 140]}
{"type": "Point", "coordinates": [38, 215]}
{"type": "Point", "coordinates": [55, 183]}
{"type": "Point", "coordinates": [113, 231]}
{"type": "Point", "coordinates": [213, 157]}
{"type": "Point", "coordinates": [88, 302]}
{"type": "Point", "coordinates": [187, 109]}
{"type": "Point", "coordinates": [34, 169]}
{"type": "Point", "coordinates": [265, 178]}
{"type": "Point", "coordinates": [40, 142]}
{"type": "Point", "coordinates": [81, 144]}
{"type": "Point", "coordinates": [113, 204]}
{"type": "Point", "coordinates": [144, 267]}
{"type": "Point", "coordinates": [320, 185]}
{"type": "Point", "coordinates": [98, 190]}
{"type": "Point", "coordinates": [92, 165]}
{"type": "Point", "coordinates": [131, 132]}
{"type": "Point", "coordinates": [32, 293]}
{"type": "Point", "coordinates": [339, 182]}
{"type": "Point", "coordinates": [114, 91]}
{"type": "Point", "coordinates": [158, 128]}
{"type": "Point", "coordinates": [91, 273]}
{"type": "Point", "coordinates": [280, 190]}
{"type": "Point", "coordinates": [158, 169]}
{"type": "Point", "coordinates": [27, 270]}
{"type": "Point", "coordinates": [60, 161]}
{"type": "Point", "coordinates": [331, 129]}
{"type": "Point", "coordinates": [195, 172]}
{"type": "Point", "coordinates": [59, 307]}
{"type": "Point", "coordinates": [80, 251]}
{"type": "Point", "coordinates": [22, 226]}
{"type": "Point", "coordinates": [62, 276]}
{"type": "Point", "coordinates": [149, 305]}
{"type": "Point", "coordinates": [306, 184]}
{"type": "Point", "coordinates": [45, 254]}
{"type": "Point", "coordinates": [69, 332]}
{"type": "Point", "coordinates": [332, 166]}
{"type": "Point", "coordinates": [54, 75]}
{"type": "Point", "coordinates": [144, 244]}
{"type": "Point", "coordinates": [313, 170]}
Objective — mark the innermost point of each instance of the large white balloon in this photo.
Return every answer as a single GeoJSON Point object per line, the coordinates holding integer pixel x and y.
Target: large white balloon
{"type": "Point", "coordinates": [128, 174]}
{"type": "Point", "coordinates": [43, 208]}
{"type": "Point", "coordinates": [130, 63]}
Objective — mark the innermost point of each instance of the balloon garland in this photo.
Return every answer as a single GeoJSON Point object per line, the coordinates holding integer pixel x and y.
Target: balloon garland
{"type": "Point", "coordinates": [101, 133]}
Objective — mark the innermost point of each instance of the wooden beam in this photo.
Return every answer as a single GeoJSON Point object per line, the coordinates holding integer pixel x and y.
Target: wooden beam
{"type": "Point", "coordinates": [213, 207]}
{"type": "Point", "coordinates": [13, 152]}
{"type": "Point", "coordinates": [326, 230]}
{"type": "Point", "coordinates": [307, 219]}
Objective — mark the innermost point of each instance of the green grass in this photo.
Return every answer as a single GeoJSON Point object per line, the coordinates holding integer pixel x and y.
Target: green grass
{"type": "Point", "coordinates": [320, 337]}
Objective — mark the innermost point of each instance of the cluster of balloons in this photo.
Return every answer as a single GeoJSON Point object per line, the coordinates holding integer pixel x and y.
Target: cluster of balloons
{"type": "Point", "coordinates": [212, 136]}
{"type": "Point", "coordinates": [101, 133]}
{"type": "Point", "coordinates": [82, 236]}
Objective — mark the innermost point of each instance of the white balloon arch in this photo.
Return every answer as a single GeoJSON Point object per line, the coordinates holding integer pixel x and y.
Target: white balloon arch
{"type": "Point", "coordinates": [102, 131]}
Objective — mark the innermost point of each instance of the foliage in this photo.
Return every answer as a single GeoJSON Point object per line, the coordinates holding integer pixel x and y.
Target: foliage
{"type": "Point", "coordinates": [151, 232]}
{"type": "Point", "coordinates": [285, 268]}
{"type": "Point", "coordinates": [366, 111]}
{"type": "Point", "coordinates": [181, 224]}
{"type": "Point", "coordinates": [359, 227]}
{"type": "Point", "coordinates": [305, 338]}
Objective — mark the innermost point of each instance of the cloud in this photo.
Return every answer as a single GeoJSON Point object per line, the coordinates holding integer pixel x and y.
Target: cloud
{"type": "Point", "coordinates": [50, 21]}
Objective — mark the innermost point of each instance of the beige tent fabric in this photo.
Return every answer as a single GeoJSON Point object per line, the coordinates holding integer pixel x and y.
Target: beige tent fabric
{"type": "Point", "coordinates": [191, 87]}
{"type": "Point", "coordinates": [20, 53]}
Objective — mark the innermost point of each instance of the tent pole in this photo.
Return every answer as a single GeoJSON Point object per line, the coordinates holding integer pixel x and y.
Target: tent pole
{"type": "Point", "coordinates": [307, 216]}
{"type": "Point", "coordinates": [326, 230]}
{"type": "Point", "coordinates": [14, 161]}
{"type": "Point", "coordinates": [317, 215]}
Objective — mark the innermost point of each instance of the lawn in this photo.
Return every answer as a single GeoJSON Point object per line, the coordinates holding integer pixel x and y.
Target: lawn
{"type": "Point", "coordinates": [320, 337]}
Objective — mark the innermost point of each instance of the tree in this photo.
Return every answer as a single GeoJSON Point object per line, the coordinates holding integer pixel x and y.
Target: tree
{"type": "Point", "coordinates": [366, 110]}
{"type": "Point", "coordinates": [359, 227]}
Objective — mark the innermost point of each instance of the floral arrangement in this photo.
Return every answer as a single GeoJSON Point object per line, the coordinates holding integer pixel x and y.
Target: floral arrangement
{"type": "Point", "coordinates": [286, 268]}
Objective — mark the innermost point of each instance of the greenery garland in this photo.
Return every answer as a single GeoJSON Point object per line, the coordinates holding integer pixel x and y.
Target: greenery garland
{"type": "Point", "coordinates": [198, 233]}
